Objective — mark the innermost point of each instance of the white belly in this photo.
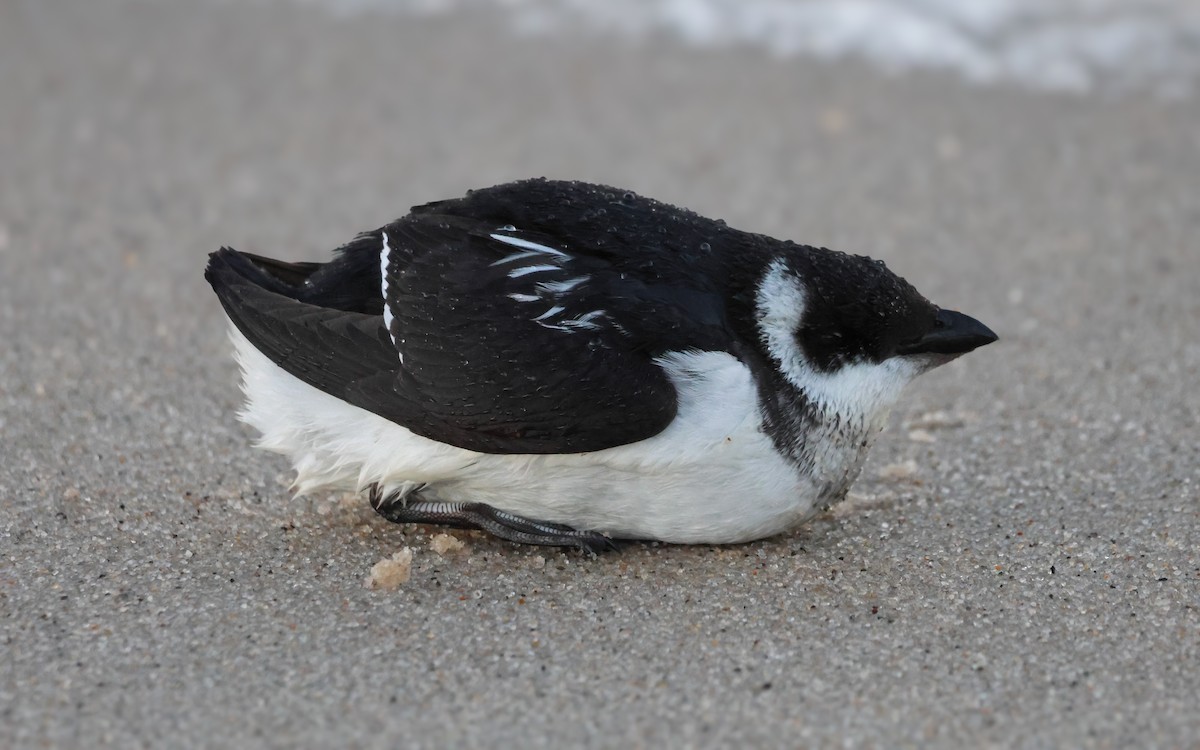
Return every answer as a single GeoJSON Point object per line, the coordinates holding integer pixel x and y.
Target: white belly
{"type": "Point", "coordinates": [712, 476]}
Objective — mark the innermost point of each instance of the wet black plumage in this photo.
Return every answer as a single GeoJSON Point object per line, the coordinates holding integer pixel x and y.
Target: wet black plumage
{"type": "Point", "coordinates": [481, 371]}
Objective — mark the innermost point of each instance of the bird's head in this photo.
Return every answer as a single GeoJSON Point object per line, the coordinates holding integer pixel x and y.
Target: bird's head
{"type": "Point", "coordinates": [850, 334]}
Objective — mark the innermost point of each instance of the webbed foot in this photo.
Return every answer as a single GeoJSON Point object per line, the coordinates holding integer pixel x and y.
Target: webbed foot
{"type": "Point", "coordinates": [496, 522]}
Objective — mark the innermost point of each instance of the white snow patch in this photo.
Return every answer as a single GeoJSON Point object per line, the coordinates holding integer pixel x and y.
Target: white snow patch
{"type": "Point", "coordinates": [1055, 45]}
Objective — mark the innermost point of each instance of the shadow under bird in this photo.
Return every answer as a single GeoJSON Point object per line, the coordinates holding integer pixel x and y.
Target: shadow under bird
{"type": "Point", "coordinates": [565, 363]}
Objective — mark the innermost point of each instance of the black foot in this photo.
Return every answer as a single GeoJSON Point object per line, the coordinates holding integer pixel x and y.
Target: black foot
{"type": "Point", "coordinates": [496, 522]}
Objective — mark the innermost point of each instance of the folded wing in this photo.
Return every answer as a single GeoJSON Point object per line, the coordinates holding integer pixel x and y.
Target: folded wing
{"type": "Point", "coordinates": [489, 338]}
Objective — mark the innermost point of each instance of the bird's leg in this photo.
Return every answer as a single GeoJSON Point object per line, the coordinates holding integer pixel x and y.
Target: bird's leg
{"type": "Point", "coordinates": [492, 520]}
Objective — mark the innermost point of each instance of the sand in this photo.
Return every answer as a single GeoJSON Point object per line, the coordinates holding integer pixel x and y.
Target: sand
{"type": "Point", "coordinates": [1028, 578]}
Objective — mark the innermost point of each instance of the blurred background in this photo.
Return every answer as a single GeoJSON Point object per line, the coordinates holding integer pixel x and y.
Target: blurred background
{"type": "Point", "coordinates": [1016, 567]}
{"type": "Point", "coordinates": [1053, 45]}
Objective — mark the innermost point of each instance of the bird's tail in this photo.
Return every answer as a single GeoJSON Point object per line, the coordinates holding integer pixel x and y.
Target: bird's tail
{"type": "Point", "coordinates": [227, 267]}
{"type": "Point", "coordinates": [350, 282]}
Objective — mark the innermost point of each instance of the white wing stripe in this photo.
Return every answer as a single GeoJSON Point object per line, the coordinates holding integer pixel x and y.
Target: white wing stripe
{"type": "Point", "coordinates": [385, 254]}
{"type": "Point", "coordinates": [530, 269]}
{"type": "Point", "coordinates": [527, 245]}
{"type": "Point", "coordinates": [561, 287]}
{"type": "Point", "coordinates": [585, 321]}
{"type": "Point", "coordinates": [513, 258]}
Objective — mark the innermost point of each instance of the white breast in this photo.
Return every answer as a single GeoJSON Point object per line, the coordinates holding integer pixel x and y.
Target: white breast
{"type": "Point", "coordinates": [712, 476]}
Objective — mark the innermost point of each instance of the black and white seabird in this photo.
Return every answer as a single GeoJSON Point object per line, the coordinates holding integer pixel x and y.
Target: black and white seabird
{"type": "Point", "coordinates": [566, 363]}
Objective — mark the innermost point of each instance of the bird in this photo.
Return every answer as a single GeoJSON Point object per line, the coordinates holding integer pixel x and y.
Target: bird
{"type": "Point", "coordinates": [571, 364]}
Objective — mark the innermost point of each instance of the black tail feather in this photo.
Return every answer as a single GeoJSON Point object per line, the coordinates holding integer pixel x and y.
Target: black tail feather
{"type": "Point", "coordinates": [350, 282]}
{"type": "Point", "coordinates": [293, 274]}
{"type": "Point", "coordinates": [327, 348]}
{"type": "Point", "coordinates": [228, 264]}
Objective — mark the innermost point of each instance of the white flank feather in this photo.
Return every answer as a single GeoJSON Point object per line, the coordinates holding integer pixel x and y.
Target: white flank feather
{"type": "Point", "coordinates": [711, 476]}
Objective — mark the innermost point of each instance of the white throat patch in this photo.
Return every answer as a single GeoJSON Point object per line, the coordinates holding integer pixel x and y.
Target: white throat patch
{"type": "Point", "coordinates": [860, 391]}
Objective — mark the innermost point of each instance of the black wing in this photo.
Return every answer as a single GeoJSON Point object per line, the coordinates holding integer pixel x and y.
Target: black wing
{"type": "Point", "coordinates": [497, 340]}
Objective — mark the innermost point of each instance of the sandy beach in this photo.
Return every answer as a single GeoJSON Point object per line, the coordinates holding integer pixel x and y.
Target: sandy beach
{"type": "Point", "coordinates": [1019, 565]}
